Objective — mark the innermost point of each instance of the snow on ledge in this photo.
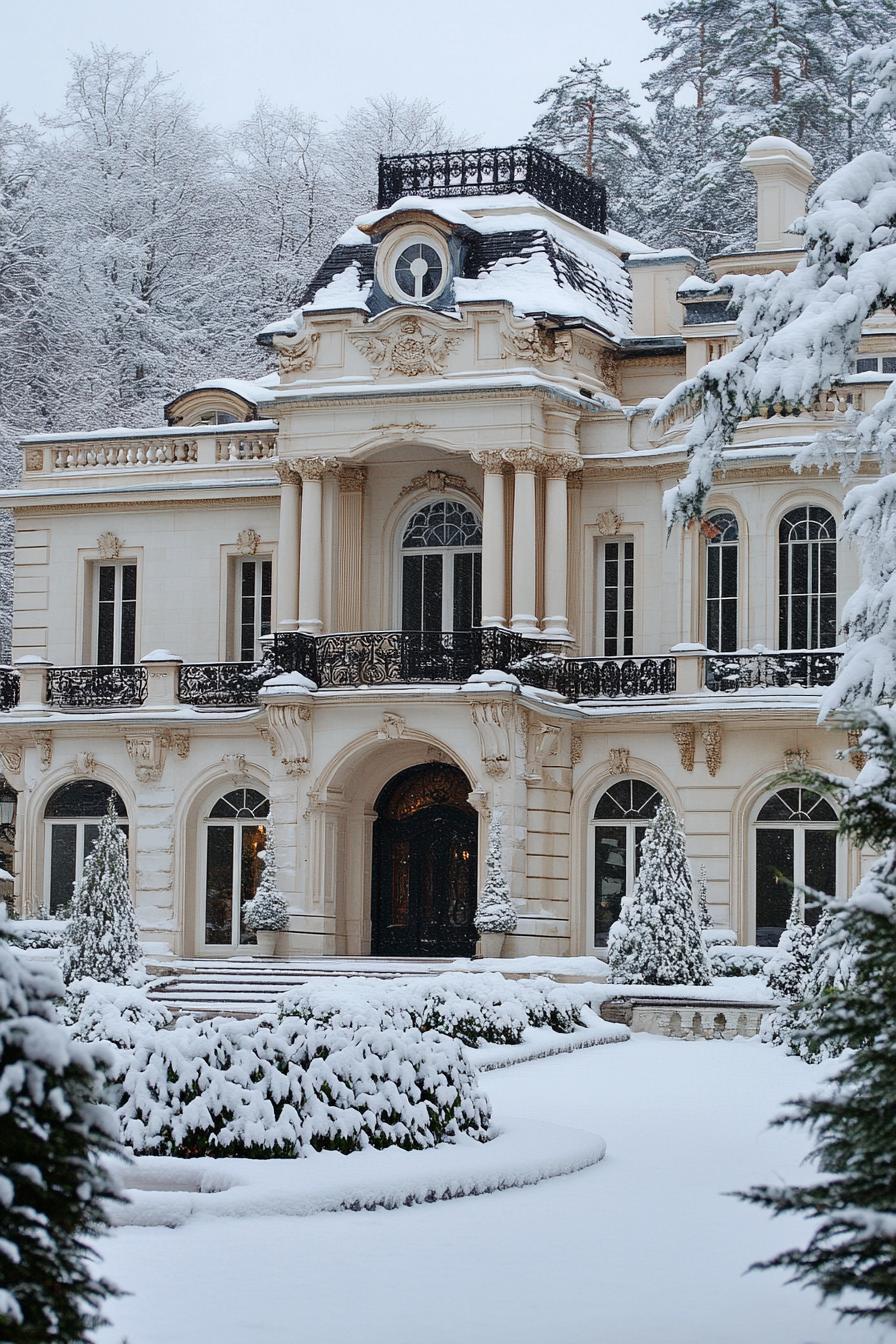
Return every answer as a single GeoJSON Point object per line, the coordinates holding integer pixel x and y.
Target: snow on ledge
{"type": "Point", "coordinates": [168, 1191]}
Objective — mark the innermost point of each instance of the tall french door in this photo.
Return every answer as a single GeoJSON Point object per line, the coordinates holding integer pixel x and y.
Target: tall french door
{"type": "Point", "coordinates": [234, 840]}
{"type": "Point", "coordinates": [441, 569]}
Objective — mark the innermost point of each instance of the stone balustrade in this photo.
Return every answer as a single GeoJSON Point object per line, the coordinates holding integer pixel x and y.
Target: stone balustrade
{"type": "Point", "coordinates": [200, 446]}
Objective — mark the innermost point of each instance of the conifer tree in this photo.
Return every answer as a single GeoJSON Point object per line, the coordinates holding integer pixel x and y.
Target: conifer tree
{"type": "Point", "coordinates": [267, 909]}
{"type": "Point", "coordinates": [53, 1179]}
{"type": "Point", "coordinates": [830, 970]}
{"type": "Point", "coordinates": [494, 911]}
{"type": "Point", "coordinates": [788, 969]}
{"type": "Point", "coordinates": [656, 940]}
{"type": "Point", "coordinates": [704, 918]}
{"type": "Point", "coordinates": [101, 940]}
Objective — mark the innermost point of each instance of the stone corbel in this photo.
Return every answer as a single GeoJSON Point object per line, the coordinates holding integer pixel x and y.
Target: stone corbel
{"type": "Point", "coordinates": [147, 752]}
{"type": "Point", "coordinates": [291, 726]}
{"type": "Point", "coordinates": [85, 763]}
{"type": "Point", "coordinates": [542, 743]}
{"type": "Point", "coordinates": [685, 739]}
{"type": "Point", "coordinates": [712, 743]}
{"type": "Point", "coordinates": [44, 744]}
{"type": "Point", "coordinates": [492, 720]}
{"type": "Point", "coordinates": [857, 757]}
{"type": "Point", "coordinates": [478, 800]}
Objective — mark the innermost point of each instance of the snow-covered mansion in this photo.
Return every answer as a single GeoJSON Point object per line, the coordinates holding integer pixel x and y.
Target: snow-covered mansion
{"type": "Point", "coordinates": [330, 592]}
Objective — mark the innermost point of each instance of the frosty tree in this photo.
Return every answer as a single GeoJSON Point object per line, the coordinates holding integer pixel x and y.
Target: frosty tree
{"type": "Point", "coordinates": [53, 1139]}
{"type": "Point", "coordinates": [656, 939]}
{"type": "Point", "coordinates": [495, 912]}
{"type": "Point", "coordinates": [799, 333]}
{"type": "Point", "coordinates": [267, 910]}
{"type": "Point", "coordinates": [788, 968]}
{"type": "Point", "coordinates": [704, 918]}
{"type": "Point", "coordinates": [101, 940]}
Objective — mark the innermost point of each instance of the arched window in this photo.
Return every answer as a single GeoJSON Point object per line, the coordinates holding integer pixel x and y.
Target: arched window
{"type": "Point", "coordinates": [796, 846]}
{"type": "Point", "coordinates": [620, 822]}
{"type": "Point", "coordinates": [807, 595]}
{"type": "Point", "coordinates": [441, 553]}
{"type": "Point", "coordinates": [72, 822]}
{"type": "Point", "coordinates": [234, 839]}
{"type": "Point", "coordinates": [721, 532]}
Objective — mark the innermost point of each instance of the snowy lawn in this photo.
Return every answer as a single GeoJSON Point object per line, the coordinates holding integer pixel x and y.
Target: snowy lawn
{"type": "Point", "coordinates": [644, 1246]}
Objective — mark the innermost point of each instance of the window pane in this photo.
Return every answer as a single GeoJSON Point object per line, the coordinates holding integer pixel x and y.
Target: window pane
{"type": "Point", "coordinates": [62, 865]}
{"type": "Point", "coordinates": [432, 592]}
{"type": "Point", "coordinates": [128, 628]}
{"type": "Point", "coordinates": [129, 583]}
{"type": "Point", "coordinates": [609, 878]}
{"type": "Point", "coordinates": [219, 885]}
{"type": "Point", "coordinates": [463, 591]}
{"type": "Point", "coordinates": [411, 589]}
{"type": "Point", "coordinates": [105, 621]}
{"type": "Point", "coordinates": [774, 883]}
{"type": "Point", "coordinates": [477, 588]}
{"type": "Point", "coordinates": [83, 798]}
{"type": "Point", "coordinates": [821, 868]}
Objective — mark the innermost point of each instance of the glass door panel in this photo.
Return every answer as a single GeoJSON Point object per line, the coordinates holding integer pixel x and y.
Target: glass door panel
{"type": "Point", "coordinates": [219, 886]}
{"type": "Point", "coordinates": [609, 878]}
{"type": "Point", "coordinates": [820, 868]}
{"type": "Point", "coordinates": [774, 882]}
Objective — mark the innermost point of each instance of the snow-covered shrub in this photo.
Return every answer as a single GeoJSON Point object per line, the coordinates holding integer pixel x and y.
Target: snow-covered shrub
{"type": "Point", "coordinates": [798, 1026]}
{"type": "Point", "coordinates": [267, 910]}
{"type": "Point", "coordinates": [727, 960]}
{"type": "Point", "coordinates": [475, 1008]}
{"type": "Point", "coordinates": [787, 969]}
{"type": "Point", "coordinates": [495, 912]}
{"type": "Point", "coordinates": [53, 1177]}
{"type": "Point", "coordinates": [41, 933]}
{"type": "Point", "coordinates": [280, 1089]}
{"type": "Point", "coordinates": [656, 939]}
{"type": "Point", "coordinates": [119, 1015]}
{"type": "Point", "coordinates": [101, 937]}
{"type": "Point", "coordinates": [704, 918]}
{"type": "Point", "coordinates": [714, 937]}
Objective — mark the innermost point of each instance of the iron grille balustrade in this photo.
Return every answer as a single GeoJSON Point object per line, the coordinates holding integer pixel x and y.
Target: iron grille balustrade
{"type": "Point", "coordinates": [396, 657]}
{"type": "Point", "coordinates": [294, 651]}
{"type": "Point", "coordinates": [9, 689]}
{"type": "Point", "coordinates": [495, 172]}
{"type": "Point", "coordinates": [111, 687]}
{"type": "Point", "coordinates": [598, 678]}
{"type": "Point", "coordinates": [738, 672]}
{"type": "Point", "coordinates": [221, 685]}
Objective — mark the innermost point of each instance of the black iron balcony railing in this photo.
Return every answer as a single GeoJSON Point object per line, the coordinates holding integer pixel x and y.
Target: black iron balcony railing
{"type": "Point", "coordinates": [114, 687]}
{"type": "Point", "coordinates": [495, 172]}
{"type": "Point", "coordinates": [788, 667]}
{"type": "Point", "coordinates": [598, 678]}
{"type": "Point", "coordinates": [221, 685]}
{"type": "Point", "coordinates": [9, 689]}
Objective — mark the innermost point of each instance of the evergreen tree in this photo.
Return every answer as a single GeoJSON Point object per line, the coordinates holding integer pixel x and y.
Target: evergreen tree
{"type": "Point", "coordinates": [53, 1177]}
{"type": "Point", "coordinates": [101, 940]}
{"type": "Point", "coordinates": [830, 971]}
{"type": "Point", "coordinates": [494, 911]}
{"type": "Point", "coordinates": [656, 940]}
{"type": "Point", "coordinates": [787, 970]}
{"type": "Point", "coordinates": [704, 918]}
{"type": "Point", "coordinates": [267, 910]}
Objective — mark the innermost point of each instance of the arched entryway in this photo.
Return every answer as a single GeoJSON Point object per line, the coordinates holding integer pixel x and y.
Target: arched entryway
{"type": "Point", "coordinates": [424, 865]}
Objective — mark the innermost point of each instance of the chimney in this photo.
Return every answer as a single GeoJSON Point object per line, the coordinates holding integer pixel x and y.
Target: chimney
{"type": "Point", "coordinates": [783, 174]}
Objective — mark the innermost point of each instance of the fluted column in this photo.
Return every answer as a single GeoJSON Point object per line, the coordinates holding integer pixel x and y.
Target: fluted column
{"type": "Point", "coordinates": [348, 562]}
{"type": "Point", "coordinates": [556, 550]}
{"type": "Point", "coordinates": [525, 463]}
{"type": "Point", "coordinates": [288, 547]}
{"type": "Point", "coordinates": [312, 471]}
{"type": "Point", "coordinates": [494, 597]}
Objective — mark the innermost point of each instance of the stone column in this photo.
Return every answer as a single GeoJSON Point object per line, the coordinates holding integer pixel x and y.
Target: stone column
{"type": "Point", "coordinates": [348, 564]}
{"type": "Point", "coordinates": [556, 550]}
{"type": "Point", "coordinates": [494, 598]}
{"type": "Point", "coordinates": [288, 547]}
{"type": "Point", "coordinates": [312, 471]}
{"type": "Point", "coordinates": [525, 463]}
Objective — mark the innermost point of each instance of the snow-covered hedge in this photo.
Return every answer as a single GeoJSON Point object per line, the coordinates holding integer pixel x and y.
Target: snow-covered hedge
{"type": "Point", "coordinates": [475, 1008]}
{"type": "Point", "coordinates": [727, 960]}
{"type": "Point", "coordinates": [713, 938]}
{"type": "Point", "coordinates": [40, 933]}
{"type": "Point", "coordinates": [279, 1089]}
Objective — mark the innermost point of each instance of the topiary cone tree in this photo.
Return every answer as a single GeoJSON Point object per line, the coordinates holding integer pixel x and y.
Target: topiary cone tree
{"type": "Point", "coordinates": [495, 912]}
{"type": "Point", "coordinates": [53, 1180]}
{"type": "Point", "coordinates": [267, 911]}
{"type": "Point", "coordinates": [102, 940]}
{"type": "Point", "coordinates": [656, 939]}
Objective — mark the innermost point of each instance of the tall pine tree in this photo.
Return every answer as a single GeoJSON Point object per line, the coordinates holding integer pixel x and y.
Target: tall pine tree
{"type": "Point", "coordinates": [101, 939]}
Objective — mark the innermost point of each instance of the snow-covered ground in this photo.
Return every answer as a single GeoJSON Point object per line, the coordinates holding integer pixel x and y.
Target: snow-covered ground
{"type": "Point", "coordinates": [644, 1246]}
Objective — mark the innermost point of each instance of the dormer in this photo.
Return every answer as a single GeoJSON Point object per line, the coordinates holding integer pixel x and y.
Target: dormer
{"type": "Point", "coordinates": [228, 402]}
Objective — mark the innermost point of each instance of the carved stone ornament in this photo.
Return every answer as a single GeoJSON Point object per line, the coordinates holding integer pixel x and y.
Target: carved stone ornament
{"type": "Point", "coordinates": [34, 459]}
{"type": "Point", "coordinates": [147, 753]}
{"type": "Point", "coordinates": [492, 721]}
{"type": "Point", "coordinates": [575, 749]}
{"type": "Point", "coordinates": [491, 460]}
{"type": "Point", "coordinates": [438, 482]}
{"type": "Point", "coordinates": [608, 523]}
{"type": "Point", "coordinates": [44, 744]}
{"type": "Point", "coordinates": [351, 479]}
{"type": "Point", "coordinates": [109, 545]}
{"type": "Point", "coordinates": [179, 743]}
{"type": "Point", "coordinates": [406, 429]}
{"type": "Point", "coordinates": [248, 541]}
{"type": "Point", "coordinates": [527, 459]}
{"type": "Point", "coordinates": [314, 468]}
{"type": "Point", "coordinates": [619, 760]}
{"type": "Point", "coordinates": [12, 757]}
{"type": "Point", "coordinates": [712, 744]}
{"type": "Point", "coordinates": [392, 728]}
{"type": "Point", "coordinates": [796, 758]}
{"type": "Point", "coordinates": [539, 345]}
{"type": "Point", "coordinates": [857, 757]}
{"type": "Point", "coordinates": [291, 727]}
{"type": "Point", "coordinates": [287, 473]}
{"type": "Point", "coordinates": [236, 762]}
{"type": "Point", "coordinates": [685, 739]}
{"type": "Point", "coordinates": [85, 763]}
{"type": "Point", "coordinates": [606, 369]}
{"type": "Point", "coordinates": [267, 736]}
{"type": "Point", "coordinates": [296, 354]}
{"type": "Point", "coordinates": [478, 800]}
{"type": "Point", "coordinates": [409, 348]}
{"type": "Point", "coordinates": [542, 741]}
{"type": "Point", "coordinates": [558, 465]}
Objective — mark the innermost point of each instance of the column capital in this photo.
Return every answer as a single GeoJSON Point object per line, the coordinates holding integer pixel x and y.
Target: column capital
{"type": "Point", "coordinates": [491, 460]}
{"type": "Point", "coordinates": [558, 465]}
{"type": "Point", "coordinates": [314, 468]}
{"type": "Point", "coordinates": [351, 478]}
{"type": "Point", "coordinates": [526, 459]}
{"type": "Point", "coordinates": [287, 474]}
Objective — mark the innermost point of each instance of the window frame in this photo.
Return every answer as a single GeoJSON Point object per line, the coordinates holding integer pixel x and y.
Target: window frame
{"type": "Point", "coordinates": [447, 554]}
{"type": "Point", "coordinates": [118, 565]}
{"type": "Point", "coordinates": [392, 247]}
{"type": "Point", "coordinates": [236, 824]}
{"type": "Point", "coordinates": [236, 603]}
{"type": "Point", "coordinates": [812, 546]}
{"type": "Point", "coordinates": [711, 546]}
{"type": "Point", "coordinates": [799, 828]}
{"type": "Point", "coordinates": [80, 823]}
{"type": "Point", "coordinates": [600, 638]}
{"type": "Point", "coordinates": [631, 824]}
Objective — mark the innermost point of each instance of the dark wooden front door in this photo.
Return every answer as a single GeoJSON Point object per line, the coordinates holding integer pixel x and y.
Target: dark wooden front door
{"type": "Point", "coordinates": [424, 872]}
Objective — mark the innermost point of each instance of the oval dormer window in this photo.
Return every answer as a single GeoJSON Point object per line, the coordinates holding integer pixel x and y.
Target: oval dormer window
{"type": "Point", "coordinates": [419, 271]}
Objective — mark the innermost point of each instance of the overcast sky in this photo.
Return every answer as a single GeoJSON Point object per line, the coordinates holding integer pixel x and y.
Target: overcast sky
{"type": "Point", "coordinates": [484, 61]}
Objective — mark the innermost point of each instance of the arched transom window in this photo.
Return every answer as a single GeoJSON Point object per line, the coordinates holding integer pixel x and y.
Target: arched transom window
{"type": "Point", "coordinates": [796, 846]}
{"type": "Point", "coordinates": [620, 822]}
{"type": "Point", "coordinates": [72, 823]}
{"type": "Point", "coordinates": [721, 532]}
{"type": "Point", "coordinates": [441, 552]}
{"type": "Point", "coordinates": [807, 597]}
{"type": "Point", "coordinates": [234, 839]}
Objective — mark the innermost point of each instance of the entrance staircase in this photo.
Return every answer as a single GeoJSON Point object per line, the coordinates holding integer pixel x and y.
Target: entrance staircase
{"type": "Point", "coordinates": [247, 986]}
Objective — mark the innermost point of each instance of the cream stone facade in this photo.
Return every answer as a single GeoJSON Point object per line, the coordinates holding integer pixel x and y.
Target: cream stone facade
{"type": "Point", "coordinates": [329, 592]}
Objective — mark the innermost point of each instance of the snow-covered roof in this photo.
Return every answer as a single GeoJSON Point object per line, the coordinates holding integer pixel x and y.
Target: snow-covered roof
{"type": "Point", "coordinates": [514, 250]}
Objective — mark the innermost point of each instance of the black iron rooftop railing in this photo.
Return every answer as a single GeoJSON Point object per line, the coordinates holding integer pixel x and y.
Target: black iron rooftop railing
{"type": "Point", "coordinates": [495, 172]}
{"type": "Point", "coordinates": [744, 671]}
